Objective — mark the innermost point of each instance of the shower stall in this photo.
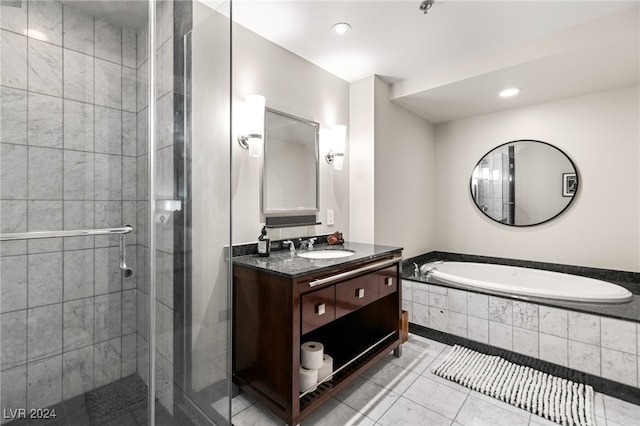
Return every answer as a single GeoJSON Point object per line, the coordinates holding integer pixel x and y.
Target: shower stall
{"type": "Point", "coordinates": [114, 304]}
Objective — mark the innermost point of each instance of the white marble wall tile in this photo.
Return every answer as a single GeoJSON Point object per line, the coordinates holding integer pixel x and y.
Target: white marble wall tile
{"type": "Point", "coordinates": [165, 190]}
{"type": "Point", "coordinates": [129, 135]}
{"type": "Point", "coordinates": [13, 327]}
{"type": "Point", "coordinates": [525, 315]}
{"type": "Point", "coordinates": [165, 236]}
{"type": "Point", "coordinates": [164, 69]}
{"type": "Point", "coordinates": [78, 323]}
{"type": "Point", "coordinates": [108, 215]}
{"type": "Point", "coordinates": [420, 314]}
{"type": "Point", "coordinates": [457, 301]}
{"type": "Point", "coordinates": [107, 361]}
{"type": "Point", "coordinates": [407, 290]}
{"type": "Point", "coordinates": [13, 283]}
{"type": "Point", "coordinates": [78, 175]}
{"type": "Point", "coordinates": [108, 317]}
{"type": "Point", "coordinates": [142, 133]}
{"type": "Point", "coordinates": [436, 289]}
{"type": "Point", "coordinates": [619, 366]}
{"type": "Point", "coordinates": [525, 341]}
{"type": "Point", "coordinates": [78, 76]}
{"type": "Point", "coordinates": [553, 321]}
{"type": "Point", "coordinates": [108, 124]}
{"type": "Point", "coordinates": [478, 329]}
{"type": "Point", "coordinates": [108, 177]}
{"type": "Point", "coordinates": [129, 305]}
{"type": "Point", "coordinates": [45, 21]}
{"type": "Point", "coordinates": [167, 280]}
{"type": "Point", "coordinates": [14, 219]}
{"type": "Point", "coordinates": [129, 347]}
{"type": "Point", "coordinates": [45, 279]}
{"type": "Point", "coordinates": [166, 342]}
{"type": "Point", "coordinates": [78, 125]}
{"type": "Point", "coordinates": [13, 116]}
{"type": "Point", "coordinates": [78, 274]}
{"type": "Point", "coordinates": [437, 300]}
{"type": "Point", "coordinates": [45, 216]}
{"type": "Point", "coordinates": [78, 215]}
{"type": "Point", "coordinates": [129, 99]}
{"type": "Point", "coordinates": [108, 41]}
{"type": "Point", "coordinates": [142, 46]}
{"type": "Point", "coordinates": [13, 171]}
{"type": "Point", "coordinates": [457, 323]}
{"type": "Point", "coordinates": [129, 184]}
{"type": "Point", "coordinates": [13, 56]}
{"type": "Point", "coordinates": [553, 349]}
{"type": "Point", "coordinates": [167, 123]}
{"type": "Point", "coordinates": [129, 217]}
{"type": "Point", "coordinates": [45, 120]}
{"type": "Point", "coordinates": [584, 328]}
{"type": "Point", "coordinates": [44, 331]}
{"type": "Point", "coordinates": [14, 396]}
{"type": "Point", "coordinates": [478, 305]}
{"type": "Point", "coordinates": [438, 318]}
{"type": "Point", "coordinates": [77, 372]}
{"type": "Point", "coordinates": [501, 335]}
{"type": "Point", "coordinates": [108, 277]}
{"type": "Point", "coordinates": [164, 29]}
{"type": "Point", "coordinates": [13, 19]}
{"type": "Point", "coordinates": [619, 411]}
{"type": "Point", "coordinates": [45, 68]}
{"type": "Point", "coordinates": [78, 30]}
{"type": "Point", "coordinates": [108, 84]}
{"type": "Point", "coordinates": [619, 335]}
{"type": "Point", "coordinates": [420, 292]}
{"type": "Point", "coordinates": [500, 310]}
{"type": "Point", "coordinates": [44, 382]}
{"type": "Point", "coordinates": [584, 357]}
{"type": "Point", "coordinates": [129, 45]}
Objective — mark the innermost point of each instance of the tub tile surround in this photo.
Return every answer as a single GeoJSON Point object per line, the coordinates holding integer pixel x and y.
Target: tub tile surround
{"type": "Point", "coordinates": [66, 312]}
{"type": "Point", "coordinates": [593, 344]}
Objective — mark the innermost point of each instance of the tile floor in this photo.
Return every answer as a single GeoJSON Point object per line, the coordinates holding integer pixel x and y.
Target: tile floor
{"type": "Point", "coordinates": [404, 392]}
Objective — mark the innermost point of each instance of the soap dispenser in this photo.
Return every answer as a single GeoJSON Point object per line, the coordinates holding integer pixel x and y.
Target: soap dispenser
{"type": "Point", "coordinates": [264, 244]}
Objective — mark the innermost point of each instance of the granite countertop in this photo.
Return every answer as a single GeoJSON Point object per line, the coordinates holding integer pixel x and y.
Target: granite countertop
{"type": "Point", "coordinates": [282, 262]}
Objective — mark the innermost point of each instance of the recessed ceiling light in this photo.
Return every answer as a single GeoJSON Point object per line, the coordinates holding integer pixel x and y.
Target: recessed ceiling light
{"type": "Point", "coordinates": [341, 27]}
{"type": "Point", "coordinates": [507, 93]}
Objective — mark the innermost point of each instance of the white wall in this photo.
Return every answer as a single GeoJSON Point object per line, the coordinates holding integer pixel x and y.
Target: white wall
{"type": "Point", "coordinates": [600, 133]}
{"type": "Point", "coordinates": [404, 176]}
{"type": "Point", "coordinates": [295, 86]}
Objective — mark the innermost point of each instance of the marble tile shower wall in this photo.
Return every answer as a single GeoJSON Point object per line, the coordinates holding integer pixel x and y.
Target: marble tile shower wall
{"type": "Point", "coordinates": [601, 346]}
{"type": "Point", "coordinates": [68, 159]}
{"type": "Point", "coordinates": [164, 173]}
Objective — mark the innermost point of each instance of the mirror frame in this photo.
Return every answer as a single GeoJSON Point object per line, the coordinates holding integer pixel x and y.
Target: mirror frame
{"type": "Point", "coordinates": [263, 183]}
{"type": "Point", "coordinates": [573, 197]}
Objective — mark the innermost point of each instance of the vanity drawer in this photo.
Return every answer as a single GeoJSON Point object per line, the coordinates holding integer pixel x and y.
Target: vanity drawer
{"type": "Point", "coordinates": [387, 281]}
{"type": "Point", "coordinates": [356, 293]}
{"type": "Point", "coordinates": [318, 308]}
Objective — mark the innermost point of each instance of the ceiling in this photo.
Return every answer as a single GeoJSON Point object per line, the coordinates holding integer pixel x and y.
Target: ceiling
{"type": "Point", "coordinates": [451, 62]}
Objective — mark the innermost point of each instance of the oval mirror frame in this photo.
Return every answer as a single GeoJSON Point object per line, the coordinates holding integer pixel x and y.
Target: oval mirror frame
{"type": "Point", "coordinates": [499, 171]}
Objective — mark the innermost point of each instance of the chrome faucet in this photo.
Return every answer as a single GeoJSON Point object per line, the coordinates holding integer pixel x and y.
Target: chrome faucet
{"type": "Point", "coordinates": [292, 246]}
{"type": "Point", "coordinates": [307, 244]}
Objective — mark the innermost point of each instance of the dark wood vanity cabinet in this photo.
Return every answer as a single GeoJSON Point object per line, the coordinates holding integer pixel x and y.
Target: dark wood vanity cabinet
{"type": "Point", "coordinates": [353, 309]}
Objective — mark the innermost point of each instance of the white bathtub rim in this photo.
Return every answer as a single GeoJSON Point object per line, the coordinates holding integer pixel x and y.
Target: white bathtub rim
{"type": "Point", "coordinates": [619, 294]}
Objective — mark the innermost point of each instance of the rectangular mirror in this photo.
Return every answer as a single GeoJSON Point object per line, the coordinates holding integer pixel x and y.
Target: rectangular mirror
{"type": "Point", "coordinates": [290, 168]}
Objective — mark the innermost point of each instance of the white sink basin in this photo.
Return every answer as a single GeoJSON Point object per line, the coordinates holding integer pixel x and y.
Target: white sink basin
{"type": "Point", "coordinates": [325, 254]}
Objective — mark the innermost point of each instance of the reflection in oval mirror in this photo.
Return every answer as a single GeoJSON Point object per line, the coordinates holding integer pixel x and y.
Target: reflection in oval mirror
{"type": "Point", "coordinates": [524, 183]}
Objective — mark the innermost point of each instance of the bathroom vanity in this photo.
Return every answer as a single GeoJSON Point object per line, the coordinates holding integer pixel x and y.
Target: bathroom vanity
{"type": "Point", "coordinates": [352, 305]}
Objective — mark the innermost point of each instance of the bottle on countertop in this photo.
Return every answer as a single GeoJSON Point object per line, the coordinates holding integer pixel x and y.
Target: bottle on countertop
{"type": "Point", "coordinates": [264, 243]}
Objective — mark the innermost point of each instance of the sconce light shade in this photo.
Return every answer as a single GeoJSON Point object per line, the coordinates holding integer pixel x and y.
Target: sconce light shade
{"type": "Point", "coordinates": [253, 125]}
{"type": "Point", "coordinates": [335, 156]}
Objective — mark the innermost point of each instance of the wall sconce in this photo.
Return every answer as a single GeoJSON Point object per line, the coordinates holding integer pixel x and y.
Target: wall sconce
{"type": "Point", "coordinates": [253, 125]}
{"type": "Point", "coordinates": [335, 156]}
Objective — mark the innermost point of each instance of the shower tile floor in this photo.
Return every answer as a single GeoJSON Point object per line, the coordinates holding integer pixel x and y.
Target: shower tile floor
{"type": "Point", "coordinates": [404, 392]}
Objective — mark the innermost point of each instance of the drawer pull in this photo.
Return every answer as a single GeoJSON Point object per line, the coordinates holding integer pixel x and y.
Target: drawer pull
{"type": "Point", "coordinates": [320, 309]}
{"type": "Point", "coordinates": [388, 281]}
{"type": "Point", "coordinates": [360, 293]}
{"type": "Point", "coordinates": [348, 274]}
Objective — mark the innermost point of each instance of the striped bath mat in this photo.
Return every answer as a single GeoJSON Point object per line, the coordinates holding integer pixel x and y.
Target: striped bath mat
{"type": "Point", "coordinates": [562, 401]}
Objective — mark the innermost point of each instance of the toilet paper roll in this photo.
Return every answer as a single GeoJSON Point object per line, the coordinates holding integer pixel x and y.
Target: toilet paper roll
{"type": "Point", "coordinates": [326, 369]}
{"type": "Point", "coordinates": [308, 379]}
{"type": "Point", "coordinates": [311, 355]}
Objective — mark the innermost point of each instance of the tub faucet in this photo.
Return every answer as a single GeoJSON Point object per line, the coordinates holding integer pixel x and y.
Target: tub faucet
{"type": "Point", "coordinates": [292, 247]}
{"type": "Point", "coordinates": [416, 270]}
{"type": "Point", "coordinates": [307, 244]}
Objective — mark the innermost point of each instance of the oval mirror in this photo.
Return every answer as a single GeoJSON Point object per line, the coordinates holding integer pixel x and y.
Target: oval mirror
{"type": "Point", "coordinates": [524, 183]}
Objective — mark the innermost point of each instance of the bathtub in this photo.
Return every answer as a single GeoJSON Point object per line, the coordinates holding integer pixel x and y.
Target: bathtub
{"type": "Point", "coordinates": [525, 282]}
